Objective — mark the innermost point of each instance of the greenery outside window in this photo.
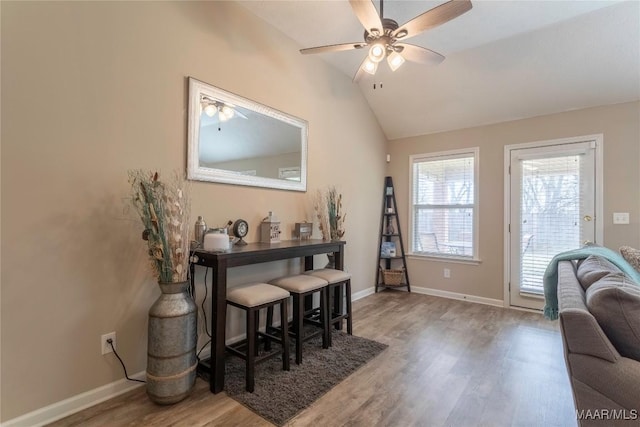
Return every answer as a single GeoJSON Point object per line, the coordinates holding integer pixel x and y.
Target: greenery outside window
{"type": "Point", "coordinates": [444, 204]}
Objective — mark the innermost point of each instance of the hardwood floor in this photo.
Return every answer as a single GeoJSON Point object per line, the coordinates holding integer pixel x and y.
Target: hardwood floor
{"type": "Point", "coordinates": [449, 363]}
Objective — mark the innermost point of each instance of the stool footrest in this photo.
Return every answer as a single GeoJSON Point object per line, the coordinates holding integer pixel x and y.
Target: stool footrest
{"type": "Point", "coordinates": [237, 348]}
{"type": "Point", "coordinates": [308, 335]}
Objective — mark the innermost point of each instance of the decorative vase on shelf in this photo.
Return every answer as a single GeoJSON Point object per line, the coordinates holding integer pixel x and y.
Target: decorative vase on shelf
{"type": "Point", "coordinates": [332, 261]}
{"type": "Point", "coordinates": [171, 349]}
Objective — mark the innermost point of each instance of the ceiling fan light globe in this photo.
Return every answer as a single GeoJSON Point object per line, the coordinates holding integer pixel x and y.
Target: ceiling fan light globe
{"type": "Point", "coordinates": [210, 110]}
{"type": "Point", "coordinates": [395, 60]}
{"type": "Point", "coordinates": [370, 67]}
{"type": "Point", "coordinates": [376, 53]}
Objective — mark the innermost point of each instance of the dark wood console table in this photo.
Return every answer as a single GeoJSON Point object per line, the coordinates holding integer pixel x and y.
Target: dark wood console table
{"type": "Point", "coordinates": [252, 253]}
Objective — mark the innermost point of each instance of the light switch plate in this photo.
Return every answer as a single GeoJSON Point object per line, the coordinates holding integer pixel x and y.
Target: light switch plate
{"type": "Point", "coordinates": [621, 217]}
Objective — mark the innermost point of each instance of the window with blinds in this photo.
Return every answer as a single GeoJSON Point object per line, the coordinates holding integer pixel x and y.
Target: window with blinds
{"type": "Point", "coordinates": [444, 203]}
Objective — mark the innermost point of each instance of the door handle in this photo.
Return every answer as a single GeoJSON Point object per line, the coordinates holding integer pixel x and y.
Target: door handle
{"type": "Point", "coordinates": [587, 218]}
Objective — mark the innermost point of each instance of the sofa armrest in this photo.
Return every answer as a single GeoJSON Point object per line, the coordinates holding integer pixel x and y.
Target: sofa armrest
{"type": "Point", "coordinates": [581, 332]}
{"type": "Point", "coordinates": [618, 382]}
{"type": "Point", "coordinates": [582, 335]}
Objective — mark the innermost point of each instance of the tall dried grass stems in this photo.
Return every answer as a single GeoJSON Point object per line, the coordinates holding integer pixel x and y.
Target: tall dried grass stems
{"type": "Point", "coordinates": [328, 207]}
{"type": "Point", "coordinates": [164, 208]}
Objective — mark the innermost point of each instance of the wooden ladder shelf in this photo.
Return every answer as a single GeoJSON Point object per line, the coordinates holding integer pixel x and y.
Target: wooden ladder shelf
{"type": "Point", "coordinates": [391, 270]}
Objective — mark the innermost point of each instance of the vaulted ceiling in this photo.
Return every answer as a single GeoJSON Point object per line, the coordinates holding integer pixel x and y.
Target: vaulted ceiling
{"type": "Point", "coordinates": [505, 60]}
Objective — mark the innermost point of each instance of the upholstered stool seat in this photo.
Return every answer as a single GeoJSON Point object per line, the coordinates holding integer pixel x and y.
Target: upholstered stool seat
{"type": "Point", "coordinates": [337, 280]}
{"type": "Point", "coordinates": [251, 298]}
{"type": "Point", "coordinates": [299, 283]}
{"type": "Point", "coordinates": [255, 294]}
{"type": "Point", "coordinates": [301, 286]}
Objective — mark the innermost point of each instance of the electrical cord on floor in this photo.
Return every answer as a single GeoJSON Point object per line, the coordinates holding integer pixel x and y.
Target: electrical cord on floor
{"type": "Point", "coordinates": [204, 312]}
{"type": "Point", "coordinates": [202, 348]}
{"type": "Point", "coordinates": [110, 342]}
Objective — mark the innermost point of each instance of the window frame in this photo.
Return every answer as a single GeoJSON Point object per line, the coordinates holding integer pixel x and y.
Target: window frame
{"type": "Point", "coordinates": [445, 155]}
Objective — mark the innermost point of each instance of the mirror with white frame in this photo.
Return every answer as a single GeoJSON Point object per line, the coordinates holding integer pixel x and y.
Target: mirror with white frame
{"type": "Point", "coordinates": [234, 140]}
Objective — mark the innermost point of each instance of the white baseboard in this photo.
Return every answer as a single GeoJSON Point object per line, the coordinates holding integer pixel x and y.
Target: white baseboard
{"type": "Point", "coordinates": [458, 296]}
{"type": "Point", "coordinates": [362, 294]}
{"type": "Point", "coordinates": [443, 294]}
{"type": "Point", "coordinates": [74, 404]}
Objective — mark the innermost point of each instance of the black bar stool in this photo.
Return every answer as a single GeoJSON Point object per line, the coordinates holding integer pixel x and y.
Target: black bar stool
{"type": "Point", "coordinates": [337, 280]}
{"type": "Point", "coordinates": [252, 298]}
{"type": "Point", "coordinates": [300, 286]}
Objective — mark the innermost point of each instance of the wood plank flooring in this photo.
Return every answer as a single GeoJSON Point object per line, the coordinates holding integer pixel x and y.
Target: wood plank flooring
{"type": "Point", "coordinates": [449, 363]}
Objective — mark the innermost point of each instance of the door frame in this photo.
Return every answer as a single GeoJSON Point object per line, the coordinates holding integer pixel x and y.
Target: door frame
{"type": "Point", "coordinates": [598, 197]}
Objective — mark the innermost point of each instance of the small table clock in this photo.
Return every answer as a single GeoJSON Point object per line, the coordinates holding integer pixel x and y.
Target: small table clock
{"type": "Point", "coordinates": [240, 230]}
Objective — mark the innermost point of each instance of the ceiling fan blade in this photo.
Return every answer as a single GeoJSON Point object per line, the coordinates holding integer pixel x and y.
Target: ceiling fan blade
{"type": "Point", "coordinates": [422, 55]}
{"type": "Point", "coordinates": [432, 18]}
{"type": "Point", "coordinates": [367, 15]}
{"type": "Point", "coordinates": [333, 48]}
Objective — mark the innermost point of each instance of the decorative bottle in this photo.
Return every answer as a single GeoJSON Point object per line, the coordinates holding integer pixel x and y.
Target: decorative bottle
{"type": "Point", "coordinates": [200, 230]}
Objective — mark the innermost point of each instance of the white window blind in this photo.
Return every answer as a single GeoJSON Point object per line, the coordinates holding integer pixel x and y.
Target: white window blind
{"type": "Point", "coordinates": [550, 208]}
{"type": "Point", "coordinates": [444, 204]}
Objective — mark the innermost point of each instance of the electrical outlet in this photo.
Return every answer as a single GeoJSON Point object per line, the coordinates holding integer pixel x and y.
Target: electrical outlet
{"type": "Point", "coordinates": [447, 273]}
{"type": "Point", "coordinates": [621, 217]}
{"type": "Point", "coordinates": [106, 348]}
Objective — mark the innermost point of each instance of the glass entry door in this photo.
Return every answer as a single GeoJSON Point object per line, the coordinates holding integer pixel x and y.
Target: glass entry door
{"type": "Point", "coordinates": [552, 209]}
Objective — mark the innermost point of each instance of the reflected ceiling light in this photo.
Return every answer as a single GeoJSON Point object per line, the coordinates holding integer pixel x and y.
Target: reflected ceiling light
{"type": "Point", "coordinates": [395, 60]}
{"type": "Point", "coordinates": [210, 110]}
{"type": "Point", "coordinates": [370, 66]}
{"type": "Point", "coordinates": [226, 113]}
{"type": "Point", "coordinates": [211, 107]}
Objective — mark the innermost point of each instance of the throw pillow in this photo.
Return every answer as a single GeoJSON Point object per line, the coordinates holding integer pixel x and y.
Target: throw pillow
{"type": "Point", "coordinates": [615, 303]}
{"type": "Point", "coordinates": [594, 268]}
{"type": "Point", "coordinates": [631, 255]}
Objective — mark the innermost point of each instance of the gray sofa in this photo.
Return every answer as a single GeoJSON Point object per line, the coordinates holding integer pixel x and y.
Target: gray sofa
{"type": "Point", "coordinates": [603, 367]}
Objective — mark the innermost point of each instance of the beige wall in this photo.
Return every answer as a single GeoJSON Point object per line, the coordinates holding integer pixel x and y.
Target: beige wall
{"type": "Point", "coordinates": [92, 89]}
{"type": "Point", "coordinates": [620, 125]}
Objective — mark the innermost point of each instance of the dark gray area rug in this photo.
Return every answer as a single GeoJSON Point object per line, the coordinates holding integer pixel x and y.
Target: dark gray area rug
{"type": "Point", "coordinates": [280, 395]}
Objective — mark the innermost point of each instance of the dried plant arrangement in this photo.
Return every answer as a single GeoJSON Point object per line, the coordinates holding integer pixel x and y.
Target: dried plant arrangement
{"type": "Point", "coordinates": [320, 207]}
{"type": "Point", "coordinates": [328, 208]}
{"type": "Point", "coordinates": [336, 214]}
{"type": "Point", "coordinates": [164, 209]}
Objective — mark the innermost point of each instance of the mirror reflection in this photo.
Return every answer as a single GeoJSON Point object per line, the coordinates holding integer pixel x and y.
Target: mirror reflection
{"type": "Point", "coordinates": [238, 141]}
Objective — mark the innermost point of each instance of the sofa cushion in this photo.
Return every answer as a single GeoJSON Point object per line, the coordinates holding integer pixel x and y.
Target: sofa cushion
{"type": "Point", "coordinates": [594, 268]}
{"type": "Point", "coordinates": [614, 301]}
{"type": "Point", "coordinates": [631, 255]}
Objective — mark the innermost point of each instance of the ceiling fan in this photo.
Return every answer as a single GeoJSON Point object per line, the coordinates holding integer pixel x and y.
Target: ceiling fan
{"type": "Point", "coordinates": [384, 36]}
{"type": "Point", "coordinates": [210, 107]}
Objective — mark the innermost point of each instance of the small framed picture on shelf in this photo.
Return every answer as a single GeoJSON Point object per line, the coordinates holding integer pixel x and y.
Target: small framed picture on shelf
{"type": "Point", "coordinates": [389, 191]}
{"type": "Point", "coordinates": [388, 249]}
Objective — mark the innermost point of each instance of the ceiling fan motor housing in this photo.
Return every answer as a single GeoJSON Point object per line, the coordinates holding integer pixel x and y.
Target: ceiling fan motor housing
{"type": "Point", "coordinates": [388, 27]}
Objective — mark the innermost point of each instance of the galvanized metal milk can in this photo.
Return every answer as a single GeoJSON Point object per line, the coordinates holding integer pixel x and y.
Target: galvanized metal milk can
{"type": "Point", "coordinates": [171, 349]}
